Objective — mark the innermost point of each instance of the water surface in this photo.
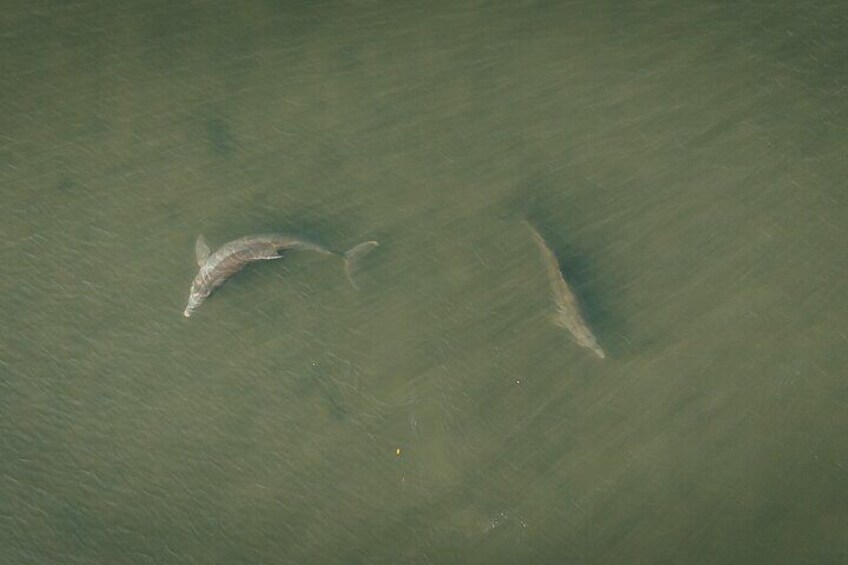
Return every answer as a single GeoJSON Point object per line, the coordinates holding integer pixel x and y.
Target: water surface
{"type": "Point", "coordinates": [685, 161]}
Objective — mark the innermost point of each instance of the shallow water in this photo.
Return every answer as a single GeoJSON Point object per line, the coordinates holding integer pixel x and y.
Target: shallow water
{"type": "Point", "coordinates": [686, 163]}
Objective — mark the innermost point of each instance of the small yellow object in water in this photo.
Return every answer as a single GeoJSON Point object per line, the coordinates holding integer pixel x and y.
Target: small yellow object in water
{"type": "Point", "coordinates": [397, 452]}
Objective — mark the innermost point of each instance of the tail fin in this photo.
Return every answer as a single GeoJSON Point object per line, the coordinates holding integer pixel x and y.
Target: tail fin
{"type": "Point", "coordinates": [352, 257]}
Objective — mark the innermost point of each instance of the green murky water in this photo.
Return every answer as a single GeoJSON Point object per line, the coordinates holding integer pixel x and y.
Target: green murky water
{"type": "Point", "coordinates": [686, 162]}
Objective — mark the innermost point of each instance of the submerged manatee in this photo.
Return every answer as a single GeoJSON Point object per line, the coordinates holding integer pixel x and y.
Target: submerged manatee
{"type": "Point", "coordinates": [568, 314]}
{"type": "Point", "coordinates": [230, 258]}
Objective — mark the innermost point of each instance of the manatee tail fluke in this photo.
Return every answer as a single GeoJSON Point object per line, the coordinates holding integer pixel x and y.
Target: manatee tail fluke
{"type": "Point", "coordinates": [353, 256]}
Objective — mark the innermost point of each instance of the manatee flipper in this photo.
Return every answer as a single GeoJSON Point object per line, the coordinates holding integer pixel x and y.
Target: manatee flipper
{"type": "Point", "coordinates": [201, 250]}
{"type": "Point", "coordinates": [352, 257]}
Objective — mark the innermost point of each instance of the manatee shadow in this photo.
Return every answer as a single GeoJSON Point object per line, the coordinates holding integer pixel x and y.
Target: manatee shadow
{"type": "Point", "coordinates": [219, 136]}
